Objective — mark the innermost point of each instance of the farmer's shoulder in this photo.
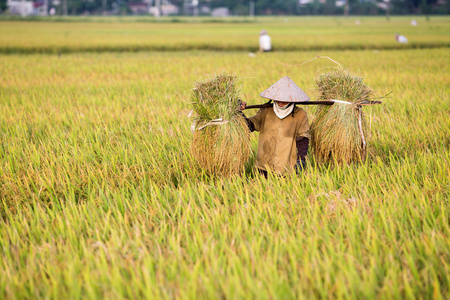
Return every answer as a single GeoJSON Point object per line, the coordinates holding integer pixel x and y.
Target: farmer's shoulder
{"type": "Point", "coordinates": [263, 111]}
{"type": "Point", "coordinates": [300, 112]}
{"type": "Point", "coordinates": [259, 116]}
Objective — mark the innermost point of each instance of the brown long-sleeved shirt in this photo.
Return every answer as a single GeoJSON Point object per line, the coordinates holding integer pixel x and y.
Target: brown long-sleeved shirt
{"type": "Point", "coordinates": [277, 149]}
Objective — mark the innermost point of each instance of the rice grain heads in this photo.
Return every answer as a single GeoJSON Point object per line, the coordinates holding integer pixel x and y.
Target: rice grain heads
{"type": "Point", "coordinates": [221, 142]}
{"type": "Point", "coordinates": [338, 132]}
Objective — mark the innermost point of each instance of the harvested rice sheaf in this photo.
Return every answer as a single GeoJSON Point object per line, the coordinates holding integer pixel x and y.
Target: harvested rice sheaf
{"type": "Point", "coordinates": [338, 132]}
{"type": "Point", "coordinates": [221, 141]}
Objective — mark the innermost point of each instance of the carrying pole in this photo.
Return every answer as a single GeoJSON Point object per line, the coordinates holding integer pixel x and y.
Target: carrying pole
{"type": "Point", "coordinates": [324, 102]}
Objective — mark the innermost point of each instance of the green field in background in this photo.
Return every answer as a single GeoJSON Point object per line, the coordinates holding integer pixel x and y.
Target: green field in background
{"type": "Point", "coordinates": [288, 34]}
{"type": "Point", "coordinates": [101, 197]}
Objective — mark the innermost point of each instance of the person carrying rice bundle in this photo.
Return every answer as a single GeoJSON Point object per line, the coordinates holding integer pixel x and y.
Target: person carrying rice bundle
{"type": "Point", "coordinates": [284, 129]}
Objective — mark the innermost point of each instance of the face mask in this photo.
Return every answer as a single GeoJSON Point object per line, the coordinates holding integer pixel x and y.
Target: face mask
{"type": "Point", "coordinates": [282, 112]}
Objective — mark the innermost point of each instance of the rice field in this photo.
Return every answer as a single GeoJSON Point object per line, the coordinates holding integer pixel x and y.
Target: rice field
{"type": "Point", "coordinates": [241, 34]}
{"type": "Point", "coordinates": [102, 198]}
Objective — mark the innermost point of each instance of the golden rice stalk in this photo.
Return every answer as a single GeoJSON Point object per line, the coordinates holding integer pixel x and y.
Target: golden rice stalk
{"type": "Point", "coordinates": [220, 148]}
{"type": "Point", "coordinates": [338, 132]}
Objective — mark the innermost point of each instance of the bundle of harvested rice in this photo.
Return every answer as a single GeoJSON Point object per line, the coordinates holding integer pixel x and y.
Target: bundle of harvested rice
{"type": "Point", "coordinates": [221, 141]}
{"type": "Point", "coordinates": [338, 132]}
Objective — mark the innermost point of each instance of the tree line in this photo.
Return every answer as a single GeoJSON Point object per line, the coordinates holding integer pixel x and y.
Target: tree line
{"type": "Point", "coordinates": [257, 7]}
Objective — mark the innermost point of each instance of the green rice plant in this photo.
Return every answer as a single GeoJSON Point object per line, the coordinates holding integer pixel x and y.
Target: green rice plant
{"type": "Point", "coordinates": [338, 131]}
{"type": "Point", "coordinates": [221, 142]}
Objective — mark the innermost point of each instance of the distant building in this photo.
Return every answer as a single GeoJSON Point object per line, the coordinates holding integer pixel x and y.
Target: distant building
{"type": "Point", "coordinates": [166, 10]}
{"type": "Point", "coordinates": [205, 10]}
{"type": "Point", "coordinates": [383, 5]}
{"type": "Point", "coordinates": [22, 8]}
{"type": "Point", "coordinates": [305, 2]}
{"type": "Point", "coordinates": [138, 8]}
{"type": "Point", "coordinates": [220, 12]}
{"type": "Point", "coordinates": [30, 8]}
{"type": "Point", "coordinates": [40, 7]}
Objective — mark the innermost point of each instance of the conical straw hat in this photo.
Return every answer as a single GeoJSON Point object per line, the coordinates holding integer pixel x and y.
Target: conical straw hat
{"type": "Point", "coordinates": [285, 90]}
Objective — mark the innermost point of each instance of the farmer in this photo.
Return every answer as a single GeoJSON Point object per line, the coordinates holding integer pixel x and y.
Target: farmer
{"type": "Point", "coordinates": [401, 38]}
{"type": "Point", "coordinates": [284, 137]}
{"type": "Point", "coordinates": [265, 44]}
